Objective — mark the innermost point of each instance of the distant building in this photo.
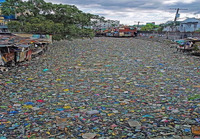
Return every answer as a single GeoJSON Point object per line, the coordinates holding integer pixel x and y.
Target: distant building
{"type": "Point", "coordinates": [153, 23]}
{"type": "Point", "coordinates": [170, 27]}
{"type": "Point", "coordinates": [106, 24]}
{"type": "Point", "coordinates": [190, 25]}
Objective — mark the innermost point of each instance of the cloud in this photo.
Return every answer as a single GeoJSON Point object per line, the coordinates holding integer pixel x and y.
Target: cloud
{"type": "Point", "coordinates": [129, 11]}
{"type": "Point", "coordinates": [178, 1]}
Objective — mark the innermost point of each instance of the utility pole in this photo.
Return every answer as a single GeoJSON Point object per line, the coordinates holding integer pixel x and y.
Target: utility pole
{"type": "Point", "coordinates": [177, 15]}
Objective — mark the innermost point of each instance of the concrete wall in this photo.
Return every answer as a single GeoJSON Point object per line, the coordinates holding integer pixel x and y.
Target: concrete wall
{"type": "Point", "coordinates": [169, 35]}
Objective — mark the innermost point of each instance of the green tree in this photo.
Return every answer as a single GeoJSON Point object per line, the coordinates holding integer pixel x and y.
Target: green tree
{"type": "Point", "coordinates": [9, 7]}
{"type": "Point", "coordinates": [197, 30]}
{"type": "Point", "coordinates": [161, 27]}
{"type": "Point", "coordinates": [37, 16]}
{"type": "Point", "coordinates": [14, 26]}
{"type": "Point", "coordinates": [35, 6]}
{"type": "Point", "coordinates": [149, 27]}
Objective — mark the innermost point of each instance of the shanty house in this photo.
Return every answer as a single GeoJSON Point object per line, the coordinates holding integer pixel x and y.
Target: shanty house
{"type": "Point", "coordinates": [190, 25]}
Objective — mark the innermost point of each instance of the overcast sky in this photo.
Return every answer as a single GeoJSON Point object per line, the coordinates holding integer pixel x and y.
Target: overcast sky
{"type": "Point", "coordinates": [131, 11]}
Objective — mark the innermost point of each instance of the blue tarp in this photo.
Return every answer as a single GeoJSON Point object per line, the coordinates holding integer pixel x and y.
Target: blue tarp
{"type": "Point", "coordinates": [9, 17]}
{"type": "Point", "coordinates": [36, 36]}
{"type": "Point", "coordinates": [181, 42]}
{"type": "Point", "coordinates": [2, 1]}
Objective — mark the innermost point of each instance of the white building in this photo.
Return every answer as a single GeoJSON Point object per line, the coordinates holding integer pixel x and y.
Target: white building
{"type": "Point", "coordinates": [169, 26]}
{"type": "Point", "coordinates": [100, 24]}
{"type": "Point", "coordinates": [190, 25]}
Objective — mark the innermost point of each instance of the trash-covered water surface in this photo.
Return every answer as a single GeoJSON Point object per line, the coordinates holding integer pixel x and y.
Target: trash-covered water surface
{"type": "Point", "coordinates": [103, 88]}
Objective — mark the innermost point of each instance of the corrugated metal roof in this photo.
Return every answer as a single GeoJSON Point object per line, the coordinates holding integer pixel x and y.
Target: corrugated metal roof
{"type": "Point", "coordinates": [11, 40]}
{"type": "Point", "coordinates": [191, 20]}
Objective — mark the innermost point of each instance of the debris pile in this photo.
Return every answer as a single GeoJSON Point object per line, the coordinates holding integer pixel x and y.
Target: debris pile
{"type": "Point", "coordinates": [103, 88]}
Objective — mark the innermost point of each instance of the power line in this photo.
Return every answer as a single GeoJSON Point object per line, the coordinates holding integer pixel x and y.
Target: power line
{"type": "Point", "coordinates": [177, 15]}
